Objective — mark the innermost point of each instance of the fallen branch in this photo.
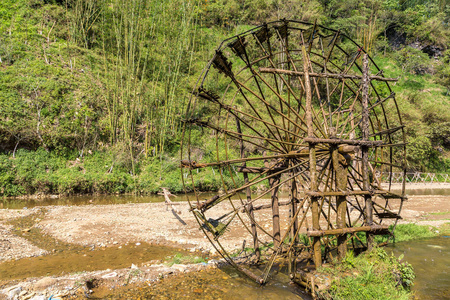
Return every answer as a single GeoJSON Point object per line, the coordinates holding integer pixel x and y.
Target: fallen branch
{"type": "Point", "coordinates": [167, 200]}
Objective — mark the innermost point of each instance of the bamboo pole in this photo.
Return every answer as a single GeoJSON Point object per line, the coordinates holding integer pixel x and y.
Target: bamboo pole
{"type": "Point", "coordinates": [341, 200]}
{"type": "Point", "coordinates": [249, 206]}
{"type": "Point", "coordinates": [317, 254]}
{"type": "Point", "coordinates": [274, 185]}
{"type": "Point", "coordinates": [365, 149]}
{"type": "Point", "coordinates": [293, 212]}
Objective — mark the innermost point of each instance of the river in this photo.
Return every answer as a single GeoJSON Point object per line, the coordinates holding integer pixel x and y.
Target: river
{"type": "Point", "coordinates": [19, 203]}
{"type": "Point", "coordinates": [431, 261]}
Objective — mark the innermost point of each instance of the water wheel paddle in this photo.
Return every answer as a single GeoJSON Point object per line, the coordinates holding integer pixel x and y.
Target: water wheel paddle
{"type": "Point", "coordinates": [305, 125]}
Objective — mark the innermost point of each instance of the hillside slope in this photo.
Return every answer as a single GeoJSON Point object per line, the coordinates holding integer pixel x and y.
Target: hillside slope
{"type": "Point", "coordinates": [100, 87]}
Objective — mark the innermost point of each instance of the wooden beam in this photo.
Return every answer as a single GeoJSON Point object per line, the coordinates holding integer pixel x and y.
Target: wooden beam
{"type": "Point", "coordinates": [340, 141]}
{"type": "Point", "coordinates": [337, 193]}
{"type": "Point", "coordinates": [168, 202]}
{"type": "Point", "coordinates": [323, 75]}
{"type": "Point", "coordinates": [257, 170]}
{"type": "Point", "coordinates": [267, 206]}
{"type": "Point", "coordinates": [341, 175]}
{"type": "Point", "coordinates": [382, 229]}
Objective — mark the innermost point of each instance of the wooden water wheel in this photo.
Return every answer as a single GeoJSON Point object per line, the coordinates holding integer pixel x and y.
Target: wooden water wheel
{"type": "Point", "coordinates": [305, 127]}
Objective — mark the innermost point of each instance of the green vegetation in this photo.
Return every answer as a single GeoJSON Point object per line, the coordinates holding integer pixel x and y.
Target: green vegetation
{"type": "Point", "coordinates": [179, 258]}
{"type": "Point", "coordinates": [92, 93]}
{"type": "Point", "coordinates": [407, 232]}
{"type": "Point", "coordinates": [441, 213]}
{"type": "Point", "coordinates": [42, 172]}
{"type": "Point", "coordinates": [410, 231]}
{"type": "Point", "coordinates": [372, 275]}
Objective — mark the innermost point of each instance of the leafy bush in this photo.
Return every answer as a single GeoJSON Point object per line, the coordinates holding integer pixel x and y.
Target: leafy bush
{"type": "Point", "coordinates": [419, 152]}
{"type": "Point", "coordinates": [414, 61]}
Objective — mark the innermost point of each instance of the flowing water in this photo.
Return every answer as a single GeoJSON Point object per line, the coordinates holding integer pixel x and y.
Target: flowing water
{"type": "Point", "coordinates": [122, 199]}
{"type": "Point", "coordinates": [431, 261]}
{"type": "Point", "coordinates": [429, 257]}
{"type": "Point", "coordinates": [423, 192]}
{"type": "Point", "coordinates": [95, 199]}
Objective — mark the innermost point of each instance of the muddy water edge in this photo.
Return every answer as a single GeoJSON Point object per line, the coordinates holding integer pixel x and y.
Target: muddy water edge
{"type": "Point", "coordinates": [67, 259]}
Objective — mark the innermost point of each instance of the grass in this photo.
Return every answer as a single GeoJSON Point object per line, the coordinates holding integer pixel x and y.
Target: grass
{"type": "Point", "coordinates": [372, 275]}
{"type": "Point", "coordinates": [440, 213]}
{"type": "Point", "coordinates": [179, 258]}
{"type": "Point", "coordinates": [411, 231]}
{"type": "Point", "coordinates": [408, 232]}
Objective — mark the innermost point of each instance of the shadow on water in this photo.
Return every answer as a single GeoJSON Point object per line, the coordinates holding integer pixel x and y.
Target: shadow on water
{"type": "Point", "coordinates": [431, 261]}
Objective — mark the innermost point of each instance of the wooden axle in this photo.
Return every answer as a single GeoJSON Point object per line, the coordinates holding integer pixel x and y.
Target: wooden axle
{"type": "Point", "coordinates": [380, 229]}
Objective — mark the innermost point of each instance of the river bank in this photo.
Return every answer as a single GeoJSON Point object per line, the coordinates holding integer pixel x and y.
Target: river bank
{"type": "Point", "coordinates": [99, 227]}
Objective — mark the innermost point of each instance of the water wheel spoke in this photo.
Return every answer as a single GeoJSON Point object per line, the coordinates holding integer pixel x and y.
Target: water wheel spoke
{"type": "Point", "coordinates": [234, 111]}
